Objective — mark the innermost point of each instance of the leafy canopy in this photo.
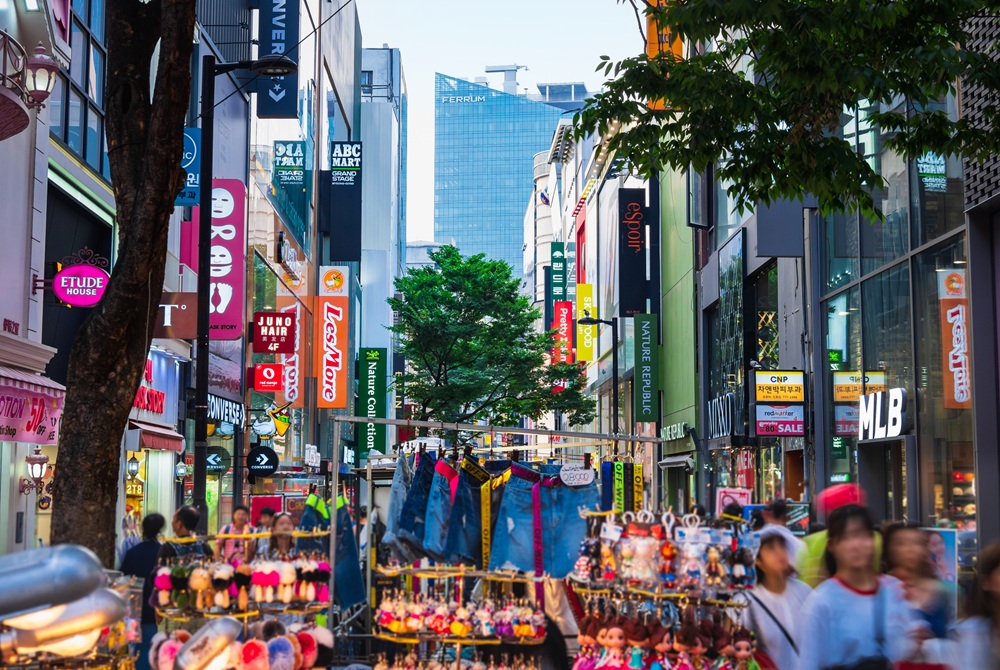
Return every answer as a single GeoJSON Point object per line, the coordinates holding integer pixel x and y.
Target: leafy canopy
{"type": "Point", "coordinates": [765, 83]}
{"type": "Point", "coordinates": [468, 337]}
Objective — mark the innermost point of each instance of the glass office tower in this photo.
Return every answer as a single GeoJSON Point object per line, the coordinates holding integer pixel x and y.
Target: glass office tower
{"type": "Point", "coordinates": [484, 144]}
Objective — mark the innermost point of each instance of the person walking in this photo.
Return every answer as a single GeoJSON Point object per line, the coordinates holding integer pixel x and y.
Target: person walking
{"type": "Point", "coordinates": [857, 619]}
{"type": "Point", "coordinates": [775, 602]}
{"type": "Point", "coordinates": [281, 544]}
{"type": "Point", "coordinates": [140, 562]}
{"type": "Point", "coordinates": [184, 523]}
{"type": "Point", "coordinates": [264, 522]}
{"type": "Point", "coordinates": [811, 564]}
{"type": "Point", "coordinates": [234, 550]}
{"type": "Point", "coordinates": [775, 515]}
{"type": "Point", "coordinates": [907, 559]}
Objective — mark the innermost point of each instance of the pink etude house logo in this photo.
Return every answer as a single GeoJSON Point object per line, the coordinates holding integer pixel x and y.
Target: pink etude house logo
{"type": "Point", "coordinates": [80, 285]}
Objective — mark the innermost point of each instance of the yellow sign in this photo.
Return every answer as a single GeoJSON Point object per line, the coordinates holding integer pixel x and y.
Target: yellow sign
{"type": "Point", "coordinates": [133, 488]}
{"type": "Point", "coordinates": [780, 386]}
{"type": "Point", "coordinates": [847, 386]}
{"type": "Point", "coordinates": [585, 335]}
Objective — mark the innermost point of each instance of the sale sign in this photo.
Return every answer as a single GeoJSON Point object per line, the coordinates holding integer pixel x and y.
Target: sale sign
{"type": "Point", "coordinates": [227, 260]}
{"type": "Point", "coordinates": [29, 416]}
{"type": "Point", "coordinates": [954, 316]}
{"type": "Point", "coordinates": [780, 420]}
{"type": "Point", "coordinates": [268, 377]}
{"type": "Point", "coordinates": [330, 337]}
{"type": "Point", "coordinates": [274, 333]}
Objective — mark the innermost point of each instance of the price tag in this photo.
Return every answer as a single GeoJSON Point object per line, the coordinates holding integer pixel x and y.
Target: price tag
{"type": "Point", "coordinates": [611, 532]}
{"type": "Point", "coordinates": [576, 475]}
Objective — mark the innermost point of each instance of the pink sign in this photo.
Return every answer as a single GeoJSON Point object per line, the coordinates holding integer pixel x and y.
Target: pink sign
{"type": "Point", "coordinates": [227, 294]}
{"type": "Point", "coordinates": [28, 416]}
{"type": "Point", "coordinates": [80, 285]}
{"type": "Point", "coordinates": [780, 420]}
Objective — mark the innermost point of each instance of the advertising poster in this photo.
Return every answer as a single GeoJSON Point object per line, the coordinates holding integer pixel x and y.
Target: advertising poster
{"type": "Point", "coordinates": [725, 496]}
{"type": "Point", "coordinates": [954, 308]}
{"type": "Point", "coordinates": [191, 164]}
{"type": "Point", "coordinates": [227, 293]}
{"type": "Point", "coordinates": [943, 546]}
{"type": "Point", "coordinates": [257, 503]}
{"type": "Point", "coordinates": [563, 324]}
{"type": "Point", "coordinates": [780, 420]}
{"type": "Point", "coordinates": [278, 97]}
{"type": "Point", "coordinates": [332, 366]}
{"type": "Point", "coordinates": [846, 419]}
{"type": "Point", "coordinates": [798, 519]}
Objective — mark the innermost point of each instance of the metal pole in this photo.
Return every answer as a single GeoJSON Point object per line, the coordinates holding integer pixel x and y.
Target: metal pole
{"type": "Point", "coordinates": [614, 376]}
{"type": "Point", "coordinates": [370, 558]}
{"type": "Point", "coordinates": [335, 485]}
{"type": "Point", "coordinates": [204, 287]}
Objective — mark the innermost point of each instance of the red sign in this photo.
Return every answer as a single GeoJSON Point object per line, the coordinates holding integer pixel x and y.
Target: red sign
{"type": "Point", "coordinates": [268, 377]}
{"type": "Point", "coordinates": [148, 398]}
{"type": "Point", "coordinates": [274, 332]}
{"type": "Point", "coordinates": [745, 469]}
{"type": "Point", "coordinates": [954, 317]}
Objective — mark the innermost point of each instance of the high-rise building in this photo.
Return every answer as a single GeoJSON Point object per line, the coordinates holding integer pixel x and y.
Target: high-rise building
{"type": "Point", "coordinates": [484, 145]}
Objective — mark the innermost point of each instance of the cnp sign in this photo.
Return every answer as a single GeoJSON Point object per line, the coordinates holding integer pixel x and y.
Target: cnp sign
{"type": "Point", "coordinates": [882, 415]}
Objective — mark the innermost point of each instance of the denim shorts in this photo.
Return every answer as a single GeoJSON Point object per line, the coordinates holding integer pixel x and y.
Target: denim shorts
{"type": "Point", "coordinates": [412, 518]}
{"type": "Point", "coordinates": [513, 536]}
{"type": "Point", "coordinates": [401, 480]}
{"type": "Point", "coordinates": [439, 505]}
{"type": "Point", "coordinates": [465, 531]}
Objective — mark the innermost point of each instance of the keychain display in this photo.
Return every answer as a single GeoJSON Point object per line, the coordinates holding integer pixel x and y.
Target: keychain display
{"type": "Point", "coordinates": [514, 621]}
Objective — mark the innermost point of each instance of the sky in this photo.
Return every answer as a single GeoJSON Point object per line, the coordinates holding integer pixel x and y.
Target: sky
{"type": "Point", "coordinates": [559, 40]}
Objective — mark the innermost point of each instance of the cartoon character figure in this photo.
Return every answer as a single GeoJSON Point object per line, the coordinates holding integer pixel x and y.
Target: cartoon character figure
{"type": "Point", "coordinates": [692, 565]}
{"type": "Point", "coordinates": [614, 645]}
{"type": "Point", "coordinates": [742, 652]}
{"type": "Point", "coordinates": [609, 570]}
{"type": "Point", "coordinates": [668, 554]}
{"type": "Point", "coordinates": [714, 570]}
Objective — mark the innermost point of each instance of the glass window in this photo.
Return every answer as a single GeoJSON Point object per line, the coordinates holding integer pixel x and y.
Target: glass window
{"type": "Point", "coordinates": [840, 247]}
{"type": "Point", "coordinates": [937, 188]}
{"type": "Point", "coordinates": [74, 130]}
{"type": "Point", "coordinates": [842, 334]}
{"type": "Point", "coordinates": [886, 240]}
{"type": "Point", "coordinates": [766, 295]}
{"type": "Point", "coordinates": [79, 42]}
{"type": "Point", "coordinates": [95, 76]}
{"type": "Point", "coordinates": [57, 107]}
{"type": "Point", "coordinates": [80, 7]}
{"type": "Point", "coordinates": [93, 145]}
{"type": "Point", "coordinates": [944, 384]}
{"type": "Point", "coordinates": [97, 19]}
{"type": "Point", "coordinates": [366, 82]}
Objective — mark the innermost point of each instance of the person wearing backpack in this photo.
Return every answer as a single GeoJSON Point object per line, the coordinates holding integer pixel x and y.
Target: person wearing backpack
{"type": "Point", "coordinates": [234, 550]}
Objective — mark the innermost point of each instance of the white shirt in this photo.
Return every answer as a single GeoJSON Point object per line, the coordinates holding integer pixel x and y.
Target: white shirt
{"type": "Point", "coordinates": [787, 609]}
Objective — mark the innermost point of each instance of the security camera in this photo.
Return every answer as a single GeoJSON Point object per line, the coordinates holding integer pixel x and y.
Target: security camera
{"type": "Point", "coordinates": [755, 365]}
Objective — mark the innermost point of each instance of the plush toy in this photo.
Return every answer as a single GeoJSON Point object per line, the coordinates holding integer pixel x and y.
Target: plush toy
{"type": "Point", "coordinates": [297, 649]}
{"type": "Point", "coordinates": [286, 581]}
{"type": "Point", "coordinates": [179, 585]}
{"type": "Point", "coordinates": [243, 580]}
{"type": "Point", "coordinates": [255, 655]}
{"type": "Point", "coordinates": [163, 585]}
{"type": "Point", "coordinates": [322, 582]}
{"type": "Point", "coordinates": [222, 580]}
{"type": "Point", "coordinates": [167, 652]}
{"type": "Point", "coordinates": [324, 647]}
{"type": "Point", "coordinates": [461, 626]}
{"type": "Point", "coordinates": [270, 629]}
{"type": "Point", "coordinates": [199, 582]}
{"type": "Point", "coordinates": [307, 642]}
{"type": "Point", "coordinates": [281, 654]}
{"type": "Point", "coordinates": [154, 649]}
{"type": "Point", "coordinates": [440, 621]}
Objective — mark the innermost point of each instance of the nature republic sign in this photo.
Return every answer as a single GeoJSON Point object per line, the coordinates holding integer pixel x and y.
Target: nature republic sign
{"type": "Point", "coordinates": [373, 392]}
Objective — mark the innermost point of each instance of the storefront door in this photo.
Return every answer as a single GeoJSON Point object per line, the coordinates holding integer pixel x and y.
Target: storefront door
{"type": "Point", "coordinates": [886, 473]}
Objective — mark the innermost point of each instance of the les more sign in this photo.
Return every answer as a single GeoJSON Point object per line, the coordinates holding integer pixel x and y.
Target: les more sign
{"type": "Point", "coordinates": [882, 415]}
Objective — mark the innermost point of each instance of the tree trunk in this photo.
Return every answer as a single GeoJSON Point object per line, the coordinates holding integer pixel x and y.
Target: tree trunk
{"type": "Point", "coordinates": [145, 140]}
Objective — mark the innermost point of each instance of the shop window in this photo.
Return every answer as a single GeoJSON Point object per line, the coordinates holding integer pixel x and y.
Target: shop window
{"type": "Point", "coordinates": [937, 187]}
{"type": "Point", "coordinates": [366, 82]}
{"type": "Point", "coordinates": [888, 239]}
{"type": "Point", "coordinates": [766, 298]}
{"type": "Point", "coordinates": [842, 375]}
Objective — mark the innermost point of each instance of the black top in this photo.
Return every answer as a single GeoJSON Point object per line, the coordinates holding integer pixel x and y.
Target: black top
{"type": "Point", "coordinates": [140, 561]}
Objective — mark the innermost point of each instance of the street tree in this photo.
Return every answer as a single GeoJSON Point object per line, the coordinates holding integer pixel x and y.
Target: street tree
{"type": "Point", "coordinates": [145, 127]}
{"type": "Point", "coordinates": [472, 350]}
{"type": "Point", "coordinates": [758, 90]}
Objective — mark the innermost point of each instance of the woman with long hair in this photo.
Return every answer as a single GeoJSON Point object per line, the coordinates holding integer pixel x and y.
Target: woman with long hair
{"type": "Point", "coordinates": [282, 544]}
{"type": "Point", "coordinates": [907, 559]}
{"type": "Point", "coordinates": [857, 619]}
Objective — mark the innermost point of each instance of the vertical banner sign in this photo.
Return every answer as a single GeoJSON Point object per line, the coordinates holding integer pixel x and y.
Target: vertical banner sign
{"type": "Point", "coordinates": [563, 325]}
{"type": "Point", "coordinates": [585, 335]}
{"type": "Point", "coordinates": [330, 337]}
{"type": "Point", "coordinates": [647, 363]}
{"type": "Point", "coordinates": [954, 308]}
{"type": "Point", "coordinates": [291, 181]}
{"type": "Point", "coordinates": [373, 394]}
{"type": "Point", "coordinates": [191, 164]}
{"type": "Point", "coordinates": [558, 272]}
{"type": "Point", "coordinates": [227, 294]}
{"type": "Point", "coordinates": [633, 219]}
{"type": "Point", "coordinates": [278, 98]}
{"type": "Point", "coordinates": [340, 200]}
{"type": "Point", "coordinates": [293, 363]}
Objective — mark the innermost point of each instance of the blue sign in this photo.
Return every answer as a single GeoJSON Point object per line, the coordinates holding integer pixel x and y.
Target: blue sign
{"type": "Point", "coordinates": [190, 163]}
{"type": "Point", "coordinates": [277, 98]}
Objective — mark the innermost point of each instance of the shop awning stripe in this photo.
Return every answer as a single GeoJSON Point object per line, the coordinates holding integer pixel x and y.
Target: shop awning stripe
{"type": "Point", "coordinates": [31, 382]}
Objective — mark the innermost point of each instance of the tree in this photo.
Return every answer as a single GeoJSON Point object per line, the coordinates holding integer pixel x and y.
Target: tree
{"type": "Point", "coordinates": [762, 92]}
{"type": "Point", "coordinates": [468, 337]}
{"type": "Point", "coordinates": [145, 139]}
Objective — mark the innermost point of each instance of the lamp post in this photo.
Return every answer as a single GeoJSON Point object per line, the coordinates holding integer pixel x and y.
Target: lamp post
{"type": "Point", "coordinates": [272, 65]}
{"type": "Point", "coordinates": [591, 321]}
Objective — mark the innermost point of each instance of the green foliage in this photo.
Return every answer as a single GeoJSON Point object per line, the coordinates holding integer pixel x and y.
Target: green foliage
{"type": "Point", "coordinates": [468, 338]}
{"type": "Point", "coordinates": [772, 129]}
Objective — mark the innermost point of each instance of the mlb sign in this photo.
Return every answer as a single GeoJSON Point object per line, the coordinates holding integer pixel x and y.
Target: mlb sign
{"type": "Point", "coordinates": [269, 377]}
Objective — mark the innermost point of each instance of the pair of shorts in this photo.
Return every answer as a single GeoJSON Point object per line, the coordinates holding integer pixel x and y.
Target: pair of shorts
{"type": "Point", "coordinates": [401, 481]}
{"type": "Point", "coordinates": [514, 533]}
{"type": "Point", "coordinates": [439, 505]}
{"type": "Point", "coordinates": [412, 518]}
{"type": "Point", "coordinates": [466, 539]}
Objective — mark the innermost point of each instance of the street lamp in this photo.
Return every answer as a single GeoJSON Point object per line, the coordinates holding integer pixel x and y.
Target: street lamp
{"type": "Point", "coordinates": [37, 465]}
{"type": "Point", "coordinates": [591, 321]}
{"type": "Point", "coordinates": [271, 65]}
{"type": "Point", "coordinates": [132, 467]}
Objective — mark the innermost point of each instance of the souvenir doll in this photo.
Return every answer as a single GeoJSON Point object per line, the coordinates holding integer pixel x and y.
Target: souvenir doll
{"type": "Point", "coordinates": [637, 636]}
{"type": "Point", "coordinates": [602, 639]}
{"type": "Point", "coordinates": [741, 574]}
{"type": "Point", "coordinates": [660, 641]}
{"type": "Point", "coordinates": [690, 647]}
{"type": "Point", "coordinates": [742, 655]}
{"type": "Point", "coordinates": [692, 565]}
{"type": "Point", "coordinates": [586, 658]}
{"type": "Point", "coordinates": [614, 658]}
{"type": "Point", "coordinates": [668, 554]}
{"type": "Point", "coordinates": [609, 569]}
{"type": "Point", "coordinates": [645, 565]}
{"type": "Point", "coordinates": [714, 570]}
{"type": "Point", "coordinates": [724, 649]}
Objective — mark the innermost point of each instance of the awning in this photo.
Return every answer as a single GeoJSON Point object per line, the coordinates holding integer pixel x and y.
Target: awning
{"type": "Point", "coordinates": [677, 461]}
{"type": "Point", "coordinates": [31, 382]}
{"type": "Point", "coordinates": [154, 437]}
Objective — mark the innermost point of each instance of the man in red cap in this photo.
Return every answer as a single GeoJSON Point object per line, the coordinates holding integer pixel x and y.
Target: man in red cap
{"type": "Point", "coordinates": [811, 567]}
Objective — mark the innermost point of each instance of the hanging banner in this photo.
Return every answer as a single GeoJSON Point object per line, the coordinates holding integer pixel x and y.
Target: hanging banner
{"type": "Point", "coordinates": [585, 335]}
{"type": "Point", "coordinates": [227, 293]}
{"type": "Point", "coordinates": [278, 97]}
{"type": "Point", "coordinates": [645, 387]}
{"type": "Point", "coordinates": [954, 316]}
{"type": "Point", "coordinates": [339, 213]}
{"type": "Point", "coordinates": [780, 386]}
{"type": "Point", "coordinates": [373, 399]}
{"type": "Point", "coordinates": [191, 164]}
{"type": "Point", "coordinates": [558, 272]}
{"type": "Point", "coordinates": [562, 352]}
{"type": "Point", "coordinates": [291, 182]}
{"type": "Point", "coordinates": [633, 219]}
{"type": "Point", "coordinates": [330, 337]}
{"type": "Point", "coordinates": [294, 364]}
{"type": "Point", "coordinates": [30, 415]}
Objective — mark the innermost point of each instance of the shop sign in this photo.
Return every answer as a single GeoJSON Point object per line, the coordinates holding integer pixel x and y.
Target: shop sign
{"type": "Point", "coordinates": [227, 258]}
{"type": "Point", "coordinates": [746, 469]}
{"type": "Point", "coordinates": [331, 317]}
{"type": "Point", "coordinates": [134, 488]}
{"type": "Point", "coordinates": [274, 333]}
{"type": "Point", "coordinates": [840, 478]}
{"type": "Point", "coordinates": [675, 431]}
{"type": "Point", "coordinates": [798, 519]}
{"type": "Point", "coordinates": [218, 460]}
{"type": "Point", "coordinates": [277, 97]}
{"type": "Point", "coordinates": [155, 400]}
{"type": "Point", "coordinates": [585, 335]}
{"type": "Point", "coordinates": [633, 220]}
{"type": "Point", "coordinates": [292, 362]}
{"type": "Point", "coordinates": [845, 420]}
{"type": "Point", "coordinates": [290, 164]}
{"type": "Point", "coordinates": [780, 420]}
{"type": "Point", "coordinates": [724, 496]}
{"type": "Point", "coordinates": [562, 352]}
{"type": "Point", "coordinates": [339, 212]}
{"type": "Point", "coordinates": [780, 386]}
{"type": "Point", "coordinates": [373, 392]}
{"type": "Point", "coordinates": [847, 386]}
{"type": "Point", "coordinates": [933, 172]}
{"type": "Point", "coordinates": [722, 416]}
{"type": "Point", "coordinates": [177, 317]}
{"type": "Point", "coordinates": [222, 410]}
{"type": "Point", "coordinates": [558, 272]}
{"type": "Point", "coordinates": [268, 377]}
{"type": "Point", "coordinates": [262, 461]}
{"type": "Point", "coordinates": [646, 387]}
{"type": "Point", "coordinates": [191, 164]}
{"type": "Point", "coordinates": [80, 285]}
{"type": "Point", "coordinates": [882, 415]}
{"type": "Point", "coordinates": [954, 317]}
{"type": "Point", "coordinates": [26, 416]}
